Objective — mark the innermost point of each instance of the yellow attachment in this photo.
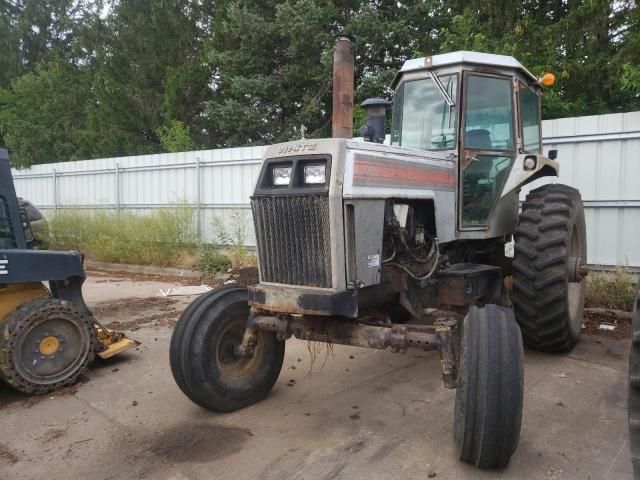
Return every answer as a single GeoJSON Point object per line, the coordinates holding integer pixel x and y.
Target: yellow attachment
{"type": "Point", "coordinates": [49, 345]}
{"type": "Point", "coordinates": [548, 79]}
{"type": "Point", "coordinates": [14, 295]}
{"type": "Point", "coordinates": [114, 342]}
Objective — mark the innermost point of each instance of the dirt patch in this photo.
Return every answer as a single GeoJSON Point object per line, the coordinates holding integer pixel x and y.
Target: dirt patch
{"type": "Point", "coordinates": [140, 277]}
{"type": "Point", "coordinates": [165, 319]}
{"type": "Point", "coordinates": [135, 313]}
{"type": "Point", "coordinates": [245, 276]}
{"type": "Point", "coordinates": [150, 453]}
{"type": "Point", "coordinates": [197, 442]}
{"type": "Point", "coordinates": [132, 306]}
{"type": "Point", "coordinates": [242, 276]}
{"type": "Point", "coordinates": [53, 434]}
{"type": "Point", "coordinates": [8, 455]}
{"type": "Point", "coordinates": [591, 322]}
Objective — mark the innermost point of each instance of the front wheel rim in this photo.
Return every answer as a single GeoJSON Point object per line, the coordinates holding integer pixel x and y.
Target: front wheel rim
{"type": "Point", "coordinates": [229, 363]}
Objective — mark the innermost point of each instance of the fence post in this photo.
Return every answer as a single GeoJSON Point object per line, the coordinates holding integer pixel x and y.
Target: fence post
{"type": "Point", "coordinates": [55, 191]}
{"type": "Point", "coordinates": [198, 199]}
{"type": "Point", "coordinates": [118, 188]}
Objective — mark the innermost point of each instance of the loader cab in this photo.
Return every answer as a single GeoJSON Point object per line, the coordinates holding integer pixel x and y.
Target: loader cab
{"type": "Point", "coordinates": [11, 228]}
{"type": "Point", "coordinates": [482, 109]}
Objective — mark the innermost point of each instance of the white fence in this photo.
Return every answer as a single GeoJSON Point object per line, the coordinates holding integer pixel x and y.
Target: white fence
{"type": "Point", "coordinates": [600, 155]}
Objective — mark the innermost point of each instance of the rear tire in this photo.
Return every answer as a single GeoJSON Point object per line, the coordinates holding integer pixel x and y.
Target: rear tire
{"type": "Point", "coordinates": [45, 344]}
{"type": "Point", "coordinates": [488, 409]}
{"type": "Point", "coordinates": [551, 230]}
{"type": "Point", "coordinates": [202, 353]}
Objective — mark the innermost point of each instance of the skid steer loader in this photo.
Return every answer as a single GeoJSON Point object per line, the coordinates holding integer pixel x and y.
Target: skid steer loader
{"type": "Point", "coordinates": [403, 246]}
{"type": "Point", "coordinates": [48, 336]}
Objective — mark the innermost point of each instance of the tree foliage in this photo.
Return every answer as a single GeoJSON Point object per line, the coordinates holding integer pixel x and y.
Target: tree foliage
{"type": "Point", "coordinates": [93, 78]}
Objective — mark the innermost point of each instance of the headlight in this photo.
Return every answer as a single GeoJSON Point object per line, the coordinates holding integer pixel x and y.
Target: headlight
{"type": "Point", "coordinates": [281, 175]}
{"type": "Point", "coordinates": [314, 174]}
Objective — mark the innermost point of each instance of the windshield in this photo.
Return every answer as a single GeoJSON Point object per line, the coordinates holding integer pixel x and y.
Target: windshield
{"type": "Point", "coordinates": [422, 118]}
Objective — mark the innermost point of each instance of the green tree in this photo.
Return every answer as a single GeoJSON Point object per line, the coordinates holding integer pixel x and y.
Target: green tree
{"type": "Point", "coordinates": [175, 137]}
{"type": "Point", "coordinates": [272, 71]}
{"type": "Point", "coordinates": [145, 41]}
{"type": "Point", "coordinates": [42, 115]}
{"type": "Point", "coordinates": [145, 76]}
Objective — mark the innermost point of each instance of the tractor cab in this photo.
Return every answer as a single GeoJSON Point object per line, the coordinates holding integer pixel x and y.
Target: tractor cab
{"type": "Point", "coordinates": [483, 109]}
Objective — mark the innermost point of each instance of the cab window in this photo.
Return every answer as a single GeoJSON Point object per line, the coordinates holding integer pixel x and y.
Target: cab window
{"type": "Point", "coordinates": [7, 236]}
{"type": "Point", "coordinates": [529, 119]}
{"type": "Point", "coordinates": [488, 114]}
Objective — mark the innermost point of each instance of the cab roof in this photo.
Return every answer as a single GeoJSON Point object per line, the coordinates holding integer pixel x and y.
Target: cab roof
{"type": "Point", "coordinates": [460, 57]}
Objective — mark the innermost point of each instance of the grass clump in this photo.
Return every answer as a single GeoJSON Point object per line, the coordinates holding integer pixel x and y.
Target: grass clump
{"type": "Point", "coordinates": [614, 290]}
{"type": "Point", "coordinates": [211, 260]}
{"type": "Point", "coordinates": [164, 238]}
{"type": "Point", "coordinates": [232, 235]}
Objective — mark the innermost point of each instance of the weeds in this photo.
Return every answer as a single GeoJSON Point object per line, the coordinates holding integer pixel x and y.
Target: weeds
{"type": "Point", "coordinates": [316, 349]}
{"type": "Point", "coordinates": [163, 238]}
{"type": "Point", "coordinates": [166, 237]}
{"type": "Point", "coordinates": [233, 239]}
{"type": "Point", "coordinates": [211, 260]}
{"type": "Point", "coordinates": [615, 290]}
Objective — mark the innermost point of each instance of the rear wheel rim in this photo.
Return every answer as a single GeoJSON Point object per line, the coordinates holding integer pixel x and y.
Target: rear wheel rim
{"type": "Point", "coordinates": [576, 290]}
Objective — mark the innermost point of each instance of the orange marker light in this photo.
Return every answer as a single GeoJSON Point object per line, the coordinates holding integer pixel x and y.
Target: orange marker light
{"type": "Point", "coordinates": [548, 79]}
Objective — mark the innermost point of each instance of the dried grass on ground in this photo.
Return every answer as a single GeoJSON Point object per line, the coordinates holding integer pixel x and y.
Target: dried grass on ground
{"type": "Point", "coordinates": [612, 290]}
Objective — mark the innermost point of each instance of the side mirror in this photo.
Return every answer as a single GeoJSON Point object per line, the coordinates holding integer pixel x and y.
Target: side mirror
{"type": "Point", "coordinates": [553, 154]}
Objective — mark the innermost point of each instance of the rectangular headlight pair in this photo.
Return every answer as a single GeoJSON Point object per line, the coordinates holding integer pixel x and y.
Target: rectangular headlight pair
{"type": "Point", "coordinates": [313, 175]}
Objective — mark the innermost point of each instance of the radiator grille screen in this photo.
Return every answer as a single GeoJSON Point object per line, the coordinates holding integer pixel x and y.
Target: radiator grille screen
{"type": "Point", "coordinates": [292, 233]}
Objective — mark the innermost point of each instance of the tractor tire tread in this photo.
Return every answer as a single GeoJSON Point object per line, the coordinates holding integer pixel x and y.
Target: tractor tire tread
{"type": "Point", "coordinates": [488, 407]}
{"type": "Point", "coordinates": [18, 320]}
{"type": "Point", "coordinates": [540, 269]}
{"type": "Point", "coordinates": [195, 330]}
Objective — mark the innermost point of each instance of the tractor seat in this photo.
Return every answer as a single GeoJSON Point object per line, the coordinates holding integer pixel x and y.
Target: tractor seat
{"type": "Point", "coordinates": [478, 139]}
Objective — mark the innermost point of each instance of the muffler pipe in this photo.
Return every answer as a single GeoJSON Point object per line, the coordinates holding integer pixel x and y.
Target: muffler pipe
{"type": "Point", "coordinates": [343, 79]}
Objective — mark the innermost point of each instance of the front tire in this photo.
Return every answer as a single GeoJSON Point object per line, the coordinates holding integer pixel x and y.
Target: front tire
{"type": "Point", "coordinates": [550, 237]}
{"type": "Point", "coordinates": [488, 409]}
{"type": "Point", "coordinates": [203, 359]}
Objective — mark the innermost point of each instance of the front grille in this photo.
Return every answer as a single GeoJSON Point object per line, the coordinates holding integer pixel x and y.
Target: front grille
{"type": "Point", "coordinates": [292, 234]}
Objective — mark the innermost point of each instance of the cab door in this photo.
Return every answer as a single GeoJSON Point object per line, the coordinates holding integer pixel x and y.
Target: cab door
{"type": "Point", "coordinates": [488, 146]}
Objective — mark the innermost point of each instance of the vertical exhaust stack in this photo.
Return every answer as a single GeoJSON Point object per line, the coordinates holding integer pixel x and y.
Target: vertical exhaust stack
{"type": "Point", "coordinates": [343, 78]}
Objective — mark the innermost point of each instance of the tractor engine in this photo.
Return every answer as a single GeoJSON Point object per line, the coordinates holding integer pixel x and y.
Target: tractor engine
{"type": "Point", "coordinates": [409, 238]}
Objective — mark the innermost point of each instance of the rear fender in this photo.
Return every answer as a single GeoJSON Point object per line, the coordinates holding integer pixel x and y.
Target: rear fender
{"type": "Point", "coordinates": [519, 176]}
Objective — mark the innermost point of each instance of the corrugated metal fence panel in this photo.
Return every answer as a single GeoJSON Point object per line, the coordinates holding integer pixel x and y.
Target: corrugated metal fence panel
{"type": "Point", "coordinates": [599, 155]}
{"type": "Point", "coordinates": [146, 182]}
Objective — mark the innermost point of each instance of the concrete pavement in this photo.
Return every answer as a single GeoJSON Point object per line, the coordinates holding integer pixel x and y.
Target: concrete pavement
{"type": "Point", "coordinates": [364, 415]}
